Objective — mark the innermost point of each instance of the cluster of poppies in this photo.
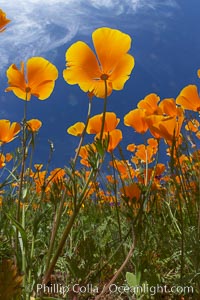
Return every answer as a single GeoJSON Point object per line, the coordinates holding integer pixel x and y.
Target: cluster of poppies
{"type": "Point", "coordinates": [98, 73]}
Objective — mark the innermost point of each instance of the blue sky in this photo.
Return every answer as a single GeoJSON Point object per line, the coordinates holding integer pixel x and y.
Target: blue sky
{"type": "Point", "coordinates": [165, 44]}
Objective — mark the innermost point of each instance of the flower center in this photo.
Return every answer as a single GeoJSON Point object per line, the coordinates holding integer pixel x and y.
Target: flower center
{"type": "Point", "coordinates": [27, 89]}
{"type": "Point", "coordinates": [104, 77]}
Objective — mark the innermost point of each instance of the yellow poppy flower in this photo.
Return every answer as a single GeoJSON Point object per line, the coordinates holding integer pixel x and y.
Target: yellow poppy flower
{"type": "Point", "coordinates": [8, 131]}
{"type": "Point", "coordinates": [57, 175]}
{"type": "Point", "coordinates": [3, 20]}
{"type": "Point", "coordinates": [145, 153]}
{"type": "Point", "coordinates": [189, 98]}
{"type": "Point", "coordinates": [168, 107]}
{"type": "Point", "coordinates": [131, 147]}
{"type": "Point", "coordinates": [168, 128]}
{"type": "Point", "coordinates": [114, 138]}
{"type": "Point", "coordinates": [38, 81]}
{"type": "Point", "coordinates": [137, 119]}
{"type": "Point", "coordinates": [131, 191]}
{"type": "Point", "coordinates": [8, 157]}
{"type": "Point", "coordinates": [2, 161]}
{"type": "Point", "coordinates": [34, 125]}
{"type": "Point", "coordinates": [38, 167]}
{"type": "Point", "coordinates": [95, 123]}
{"type": "Point", "coordinates": [150, 104]}
{"type": "Point", "coordinates": [76, 129]}
{"type": "Point", "coordinates": [192, 125]}
{"type": "Point", "coordinates": [111, 62]}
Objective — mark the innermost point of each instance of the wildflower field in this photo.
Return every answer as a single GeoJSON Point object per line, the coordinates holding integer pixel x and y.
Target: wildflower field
{"type": "Point", "coordinates": [107, 225]}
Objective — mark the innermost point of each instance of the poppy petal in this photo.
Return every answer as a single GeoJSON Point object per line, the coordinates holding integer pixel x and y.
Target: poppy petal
{"type": "Point", "coordinates": [76, 129]}
{"type": "Point", "coordinates": [122, 71]}
{"type": "Point", "coordinates": [150, 104]}
{"type": "Point", "coordinates": [115, 137]}
{"type": "Point", "coordinates": [41, 75]}
{"type": "Point", "coordinates": [168, 107]}
{"type": "Point", "coordinates": [3, 20]}
{"type": "Point", "coordinates": [95, 123]}
{"type": "Point", "coordinates": [136, 119]}
{"type": "Point", "coordinates": [110, 45]}
{"type": "Point", "coordinates": [97, 87]}
{"type": "Point", "coordinates": [189, 98]}
{"type": "Point", "coordinates": [82, 65]}
{"type": "Point", "coordinates": [16, 81]}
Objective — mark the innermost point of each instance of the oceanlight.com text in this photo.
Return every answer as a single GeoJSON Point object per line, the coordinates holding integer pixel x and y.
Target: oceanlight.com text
{"type": "Point", "coordinates": [115, 289]}
{"type": "Point", "coordinates": [151, 290]}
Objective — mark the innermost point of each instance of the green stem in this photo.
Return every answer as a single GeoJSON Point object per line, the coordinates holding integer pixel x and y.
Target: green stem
{"type": "Point", "coordinates": [67, 230]}
{"type": "Point", "coordinates": [55, 229]}
{"type": "Point", "coordinates": [22, 179]}
{"type": "Point", "coordinates": [31, 258]}
{"type": "Point", "coordinates": [116, 204]}
{"type": "Point", "coordinates": [84, 131]}
{"type": "Point", "coordinates": [104, 110]}
{"type": "Point", "coordinates": [23, 159]}
{"type": "Point", "coordinates": [23, 249]}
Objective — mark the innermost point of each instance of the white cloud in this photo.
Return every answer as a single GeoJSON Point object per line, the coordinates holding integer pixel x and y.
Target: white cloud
{"type": "Point", "coordinates": [39, 26]}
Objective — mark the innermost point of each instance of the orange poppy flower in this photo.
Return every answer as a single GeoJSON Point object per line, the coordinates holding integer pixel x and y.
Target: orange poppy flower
{"type": "Point", "coordinates": [57, 175]}
{"type": "Point", "coordinates": [76, 129]}
{"type": "Point", "coordinates": [110, 179]}
{"type": "Point", "coordinates": [153, 143]}
{"type": "Point", "coordinates": [3, 20]}
{"type": "Point", "coordinates": [124, 168]}
{"type": "Point", "coordinates": [85, 152]}
{"type": "Point", "coordinates": [192, 125]}
{"type": "Point", "coordinates": [150, 104]}
{"type": "Point", "coordinates": [151, 121]}
{"type": "Point", "coordinates": [8, 157]}
{"type": "Point", "coordinates": [168, 107]}
{"type": "Point", "coordinates": [131, 191]}
{"type": "Point", "coordinates": [167, 128]}
{"type": "Point", "coordinates": [160, 168]}
{"type": "Point", "coordinates": [198, 73]}
{"type": "Point", "coordinates": [8, 131]}
{"type": "Point", "coordinates": [131, 147]}
{"type": "Point", "coordinates": [40, 179]}
{"type": "Point", "coordinates": [111, 62]}
{"type": "Point", "coordinates": [2, 160]}
{"type": "Point", "coordinates": [39, 80]}
{"type": "Point", "coordinates": [145, 153]}
{"type": "Point", "coordinates": [114, 138]}
{"type": "Point", "coordinates": [137, 119]}
{"type": "Point", "coordinates": [95, 123]}
{"type": "Point", "coordinates": [34, 125]}
{"type": "Point", "coordinates": [189, 98]}
{"type": "Point", "coordinates": [38, 167]}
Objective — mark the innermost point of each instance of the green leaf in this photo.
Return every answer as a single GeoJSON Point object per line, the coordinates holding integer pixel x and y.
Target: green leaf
{"type": "Point", "coordinates": [18, 226]}
{"type": "Point", "coordinates": [131, 279]}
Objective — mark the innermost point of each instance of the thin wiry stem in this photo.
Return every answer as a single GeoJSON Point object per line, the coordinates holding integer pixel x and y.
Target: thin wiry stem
{"type": "Point", "coordinates": [84, 131]}
{"type": "Point", "coordinates": [104, 110]}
